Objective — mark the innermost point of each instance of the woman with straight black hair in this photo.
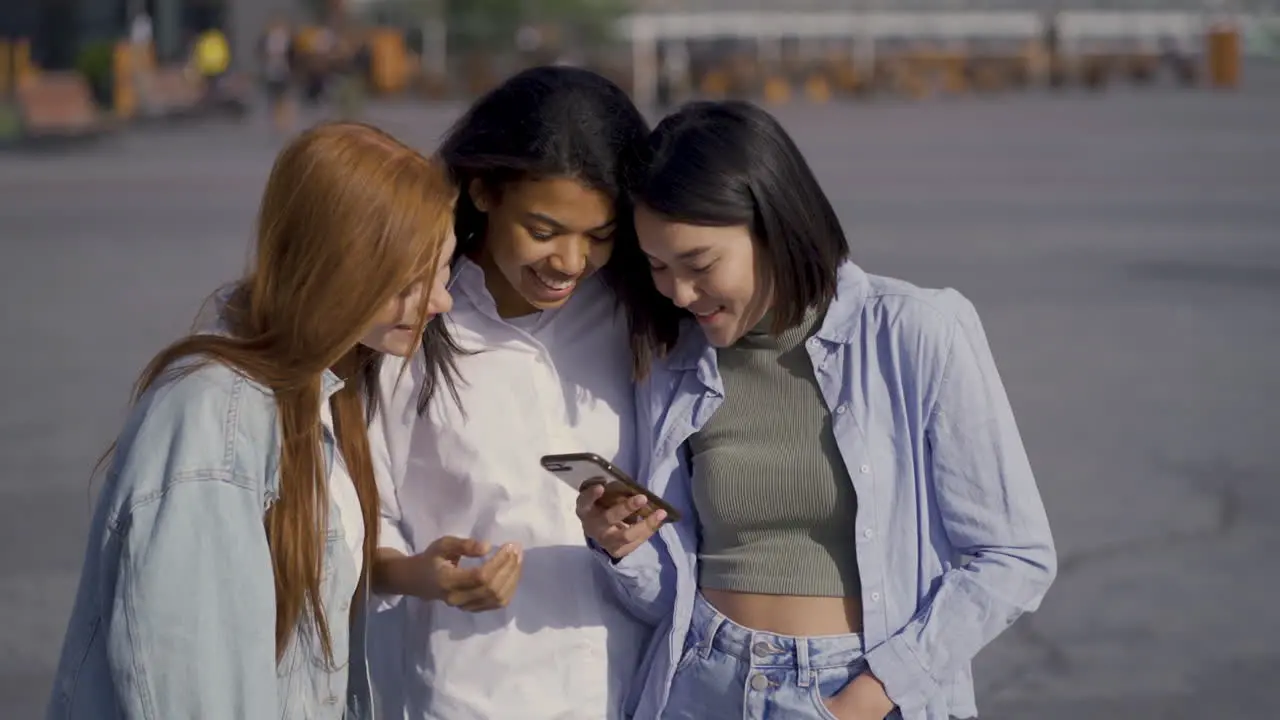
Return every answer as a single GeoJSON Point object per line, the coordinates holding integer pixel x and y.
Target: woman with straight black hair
{"type": "Point", "coordinates": [495, 607]}
{"type": "Point", "coordinates": [837, 444]}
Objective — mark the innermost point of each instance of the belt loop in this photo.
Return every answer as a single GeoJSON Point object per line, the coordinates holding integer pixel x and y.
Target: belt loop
{"type": "Point", "coordinates": [712, 628]}
{"type": "Point", "coordinates": [803, 673]}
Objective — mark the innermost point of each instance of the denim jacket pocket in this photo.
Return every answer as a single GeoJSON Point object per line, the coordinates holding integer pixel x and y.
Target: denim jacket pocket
{"type": "Point", "coordinates": [333, 544]}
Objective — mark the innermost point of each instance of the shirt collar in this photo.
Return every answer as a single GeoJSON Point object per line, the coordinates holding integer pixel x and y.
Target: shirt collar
{"type": "Point", "coordinates": [468, 281]}
{"type": "Point", "coordinates": [841, 324]}
{"type": "Point", "coordinates": [693, 351]}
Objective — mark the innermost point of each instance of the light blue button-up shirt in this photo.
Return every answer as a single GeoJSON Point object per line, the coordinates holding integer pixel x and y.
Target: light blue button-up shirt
{"type": "Point", "coordinates": [175, 614]}
{"type": "Point", "coordinates": [952, 539]}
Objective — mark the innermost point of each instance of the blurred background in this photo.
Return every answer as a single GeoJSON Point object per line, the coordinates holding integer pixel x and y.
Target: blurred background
{"type": "Point", "coordinates": [1101, 178]}
{"type": "Point", "coordinates": [72, 66]}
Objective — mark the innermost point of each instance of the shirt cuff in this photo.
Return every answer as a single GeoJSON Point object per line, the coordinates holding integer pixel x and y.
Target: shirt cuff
{"type": "Point", "coordinates": [631, 564]}
{"type": "Point", "coordinates": [905, 679]}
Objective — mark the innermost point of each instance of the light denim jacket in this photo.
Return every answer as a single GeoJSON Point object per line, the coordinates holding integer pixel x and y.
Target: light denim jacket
{"type": "Point", "coordinates": [175, 614]}
{"type": "Point", "coordinates": [926, 432]}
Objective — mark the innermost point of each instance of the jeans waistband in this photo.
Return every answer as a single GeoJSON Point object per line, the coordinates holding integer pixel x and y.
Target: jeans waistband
{"type": "Point", "coordinates": [764, 649]}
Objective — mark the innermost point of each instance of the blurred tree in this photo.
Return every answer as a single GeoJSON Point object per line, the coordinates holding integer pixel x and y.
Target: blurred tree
{"type": "Point", "coordinates": [493, 24]}
{"type": "Point", "coordinates": [408, 12]}
{"type": "Point", "coordinates": [317, 9]}
{"type": "Point", "coordinates": [588, 22]}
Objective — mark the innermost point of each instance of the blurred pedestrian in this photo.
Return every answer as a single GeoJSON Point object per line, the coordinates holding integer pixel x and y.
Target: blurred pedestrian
{"type": "Point", "coordinates": [353, 69]}
{"type": "Point", "coordinates": [278, 65]}
{"type": "Point", "coordinates": [318, 64]}
{"type": "Point", "coordinates": [141, 61]}
{"type": "Point", "coordinates": [211, 54]}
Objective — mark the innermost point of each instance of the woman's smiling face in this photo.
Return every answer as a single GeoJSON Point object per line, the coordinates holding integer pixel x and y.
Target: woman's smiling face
{"type": "Point", "coordinates": [716, 273]}
{"type": "Point", "coordinates": [543, 238]}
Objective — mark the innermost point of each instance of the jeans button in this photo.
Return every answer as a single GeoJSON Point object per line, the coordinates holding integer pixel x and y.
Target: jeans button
{"type": "Point", "coordinates": [759, 683]}
{"type": "Point", "coordinates": [761, 649]}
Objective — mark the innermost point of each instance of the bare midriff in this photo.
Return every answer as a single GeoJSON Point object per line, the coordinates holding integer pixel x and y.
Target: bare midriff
{"type": "Point", "coordinates": [793, 615]}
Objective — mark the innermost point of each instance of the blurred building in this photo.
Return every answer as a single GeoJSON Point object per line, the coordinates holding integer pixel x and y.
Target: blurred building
{"type": "Point", "coordinates": [951, 5]}
{"type": "Point", "coordinates": [60, 29]}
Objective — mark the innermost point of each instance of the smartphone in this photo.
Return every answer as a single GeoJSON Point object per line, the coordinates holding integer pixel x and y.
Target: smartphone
{"type": "Point", "coordinates": [581, 470]}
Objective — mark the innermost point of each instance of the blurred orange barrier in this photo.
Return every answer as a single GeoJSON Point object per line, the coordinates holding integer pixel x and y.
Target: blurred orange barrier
{"type": "Point", "coordinates": [24, 71]}
{"type": "Point", "coordinates": [818, 88]}
{"type": "Point", "coordinates": [714, 84]}
{"type": "Point", "coordinates": [389, 61]}
{"type": "Point", "coordinates": [124, 88]}
{"type": "Point", "coordinates": [850, 79]}
{"type": "Point", "coordinates": [307, 38]}
{"type": "Point", "coordinates": [1222, 53]}
{"type": "Point", "coordinates": [955, 80]}
{"type": "Point", "coordinates": [133, 65]}
{"type": "Point", "coordinates": [777, 90]}
{"type": "Point", "coordinates": [903, 76]}
{"type": "Point", "coordinates": [6, 66]}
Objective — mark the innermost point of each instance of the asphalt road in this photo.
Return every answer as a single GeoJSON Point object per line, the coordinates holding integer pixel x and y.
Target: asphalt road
{"type": "Point", "coordinates": [1124, 251]}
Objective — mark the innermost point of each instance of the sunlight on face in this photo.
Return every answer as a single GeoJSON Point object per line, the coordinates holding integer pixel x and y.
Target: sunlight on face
{"type": "Point", "coordinates": [716, 273]}
{"type": "Point", "coordinates": [544, 237]}
{"type": "Point", "coordinates": [393, 331]}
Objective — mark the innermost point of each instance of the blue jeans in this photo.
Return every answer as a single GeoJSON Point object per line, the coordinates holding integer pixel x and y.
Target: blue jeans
{"type": "Point", "coordinates": [729, 672]}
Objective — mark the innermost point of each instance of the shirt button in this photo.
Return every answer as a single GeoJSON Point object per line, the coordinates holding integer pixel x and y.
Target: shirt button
{"type": "Point", "coordinates": [865, 469]}
{"type": "Point", "coordinates": [840, 410]}
{"type": "Point", "coordinates": [813, 342]}
{"type": "Point", "coordinates": [875, 597]}
{"type": "Point", "coordinates": [867, 533]}
{"type": "Point", "coordinates": [759, 683]}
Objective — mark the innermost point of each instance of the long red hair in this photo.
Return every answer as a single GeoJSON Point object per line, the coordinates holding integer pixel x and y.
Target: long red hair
{"type": "Point", "coordinates": [350, 218]}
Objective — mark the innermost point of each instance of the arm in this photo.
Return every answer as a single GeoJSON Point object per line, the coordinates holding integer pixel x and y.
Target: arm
{"type": "Point", "coordinates": [390, 578]}
{"type": "Point", "coordinates": [433, 574]}
{"type": "Point", "coordinates": [644, 584]}
{"type": "Point", "coordinates": [637, 566]}
{"type": "Point", "coordinates": [193, 616]}
{"type": "Point", "coordinates": [392, 543]}
{"type": "Point", "coordinates": [991, 511]}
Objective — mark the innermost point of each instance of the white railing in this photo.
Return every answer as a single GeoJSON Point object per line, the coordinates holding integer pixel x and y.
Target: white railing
{"type": "Point", "coordinates": [1076, 27]}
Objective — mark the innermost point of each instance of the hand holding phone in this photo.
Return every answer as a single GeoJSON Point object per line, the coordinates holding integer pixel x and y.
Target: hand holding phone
{"type": "Point", "coordinates": [619, 523]}
{"type": "Point", "coordinates": [581, 470]}
{"type": "Point", "coordinates": [616, 512]}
